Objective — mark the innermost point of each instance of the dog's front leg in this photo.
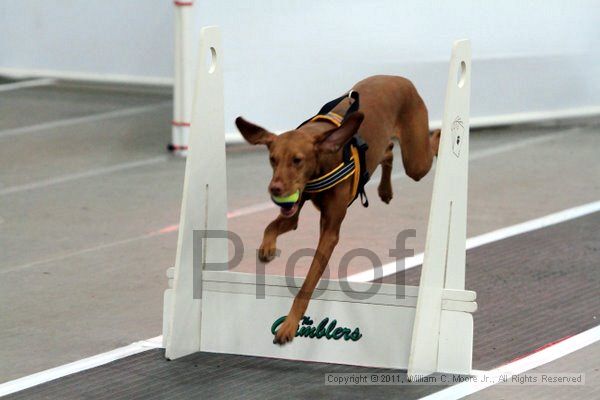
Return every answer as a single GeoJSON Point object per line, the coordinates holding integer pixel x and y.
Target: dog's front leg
{"type": "Point", "coordinates": [331, 221]}
{"type": "Point", "coordinates": [278, 226]}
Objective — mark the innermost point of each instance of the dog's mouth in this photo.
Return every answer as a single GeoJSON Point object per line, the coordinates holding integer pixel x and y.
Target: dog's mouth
{"type": "Point", "coordinates": [288, 205]}
{"type": "Point", "coordinates": [288, 211]}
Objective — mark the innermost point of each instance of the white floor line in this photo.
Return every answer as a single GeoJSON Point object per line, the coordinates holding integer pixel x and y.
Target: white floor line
{"type": "Point", "coordinates": [517, 367]}
{"type": "Point", "coordinates": [78, 366]}
{"type": "Point", "coordinates": [80, 175]}
{"type": "Point", "coordinates": [26, 84]}
{"type": "Point", "coordinates": [88, 77]}
{"type": "Point", "coordinates": [490, 237]}
{"type": "Point", "coordinates": [82, 120]}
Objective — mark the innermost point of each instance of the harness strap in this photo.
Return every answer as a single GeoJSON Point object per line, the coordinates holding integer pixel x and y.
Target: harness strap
{"type": "Point", "coordinates": [355, 182]}
{"type": "Point", "coordinates": [337, 175]}
{"type": "Point", "coordinates": [328, 107]}
{"type": "Point", "coordinates": [332, 117]}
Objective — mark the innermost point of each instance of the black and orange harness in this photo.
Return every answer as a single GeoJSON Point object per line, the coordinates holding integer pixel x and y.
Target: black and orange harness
{"type": "Point", "coordinates": [354, 152]}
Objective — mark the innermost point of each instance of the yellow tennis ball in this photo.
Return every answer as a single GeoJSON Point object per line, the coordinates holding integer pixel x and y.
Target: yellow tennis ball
{"type": "Point", "coordinates": [287, 200]}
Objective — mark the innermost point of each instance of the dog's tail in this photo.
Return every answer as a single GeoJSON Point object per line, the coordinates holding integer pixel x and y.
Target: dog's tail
{"type": "Point", "coordinates": [434, 140]}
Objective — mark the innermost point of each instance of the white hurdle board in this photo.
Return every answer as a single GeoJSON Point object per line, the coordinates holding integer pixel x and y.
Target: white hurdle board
{"type": "Point", "coordinates": [377, 325]}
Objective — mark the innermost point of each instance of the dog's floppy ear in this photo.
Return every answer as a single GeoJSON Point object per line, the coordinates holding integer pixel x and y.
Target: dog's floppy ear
{"type": "Point", "coordinates": [254, 134]}
{"type": "Point", "coordinates": [333, 140]}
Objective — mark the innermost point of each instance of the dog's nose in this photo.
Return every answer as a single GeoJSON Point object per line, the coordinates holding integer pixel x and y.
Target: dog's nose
{"type": "Point", "coordinates": [276, 188]}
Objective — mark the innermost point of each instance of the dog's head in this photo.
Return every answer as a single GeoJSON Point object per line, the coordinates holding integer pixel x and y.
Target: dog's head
{"type": "Point", "coordinates": [294, 155]}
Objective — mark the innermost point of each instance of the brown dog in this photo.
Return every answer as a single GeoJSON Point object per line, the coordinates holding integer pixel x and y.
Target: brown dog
{"type": "Point", "coordinates": [389, 107]}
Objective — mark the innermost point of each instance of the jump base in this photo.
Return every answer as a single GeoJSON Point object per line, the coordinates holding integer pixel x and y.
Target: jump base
{"type": "Point", "coordinates": [371, 326]}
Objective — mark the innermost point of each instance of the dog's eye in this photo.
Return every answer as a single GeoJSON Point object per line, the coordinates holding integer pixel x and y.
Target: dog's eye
{"type": "Point", "coordinates": [272, 160]}
{"type": "Point", "coordinates": [297, 160]}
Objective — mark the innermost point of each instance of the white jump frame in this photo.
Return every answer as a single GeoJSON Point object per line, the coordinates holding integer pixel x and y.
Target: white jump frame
{"type": "Point", "coordinates": [429, 329]}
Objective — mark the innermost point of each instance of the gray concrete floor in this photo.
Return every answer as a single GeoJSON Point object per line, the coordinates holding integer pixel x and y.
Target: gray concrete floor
{"type": "Point", "coordinates": [82, 206]}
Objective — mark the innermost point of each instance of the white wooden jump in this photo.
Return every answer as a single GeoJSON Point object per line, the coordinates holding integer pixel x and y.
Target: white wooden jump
{"type": "Point", "coordinates": [428, 330]}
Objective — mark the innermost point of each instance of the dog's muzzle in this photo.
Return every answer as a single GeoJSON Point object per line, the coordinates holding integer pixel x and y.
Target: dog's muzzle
{"type": "Point", "coordinates": [288, 204]}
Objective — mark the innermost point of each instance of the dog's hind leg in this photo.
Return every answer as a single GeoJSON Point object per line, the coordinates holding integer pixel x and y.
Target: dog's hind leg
{"type": "Point", "coordinates": [417, 145]}
{"type": "Point", "coordinates": [385, 184]}
{"type": "Point", "coordinates": [278, 226]}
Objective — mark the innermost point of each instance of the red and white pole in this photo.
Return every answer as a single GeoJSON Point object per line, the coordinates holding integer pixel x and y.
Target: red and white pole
{"type": "Point", "coordinates": [183, 83]}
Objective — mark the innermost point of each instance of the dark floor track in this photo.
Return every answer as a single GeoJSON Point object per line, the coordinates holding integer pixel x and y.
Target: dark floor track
{"type": "Point", "coordinates": [532, 289]}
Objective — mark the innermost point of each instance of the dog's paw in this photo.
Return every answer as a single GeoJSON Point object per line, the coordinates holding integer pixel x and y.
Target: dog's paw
{"type": "Point", "coordinates": [285, 333]}
{"type": "Point", "coordinates": [267, 253]}
{"type": "Point", "coordinates": [385, 193]}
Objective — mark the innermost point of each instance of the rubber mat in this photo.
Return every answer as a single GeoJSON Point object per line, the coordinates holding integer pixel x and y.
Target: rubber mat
{"type": "Point", "coordinates": [532, 289]}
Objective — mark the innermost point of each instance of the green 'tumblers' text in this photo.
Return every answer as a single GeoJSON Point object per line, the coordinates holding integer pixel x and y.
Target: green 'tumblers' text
{"type": "Point", "coordinates": [325, 329]}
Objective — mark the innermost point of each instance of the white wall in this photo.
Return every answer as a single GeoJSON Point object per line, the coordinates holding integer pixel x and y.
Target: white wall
{"type": "Point", "coordinates": [283, 59]}
{"type": "Point", "coordinates": [107, 37]}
